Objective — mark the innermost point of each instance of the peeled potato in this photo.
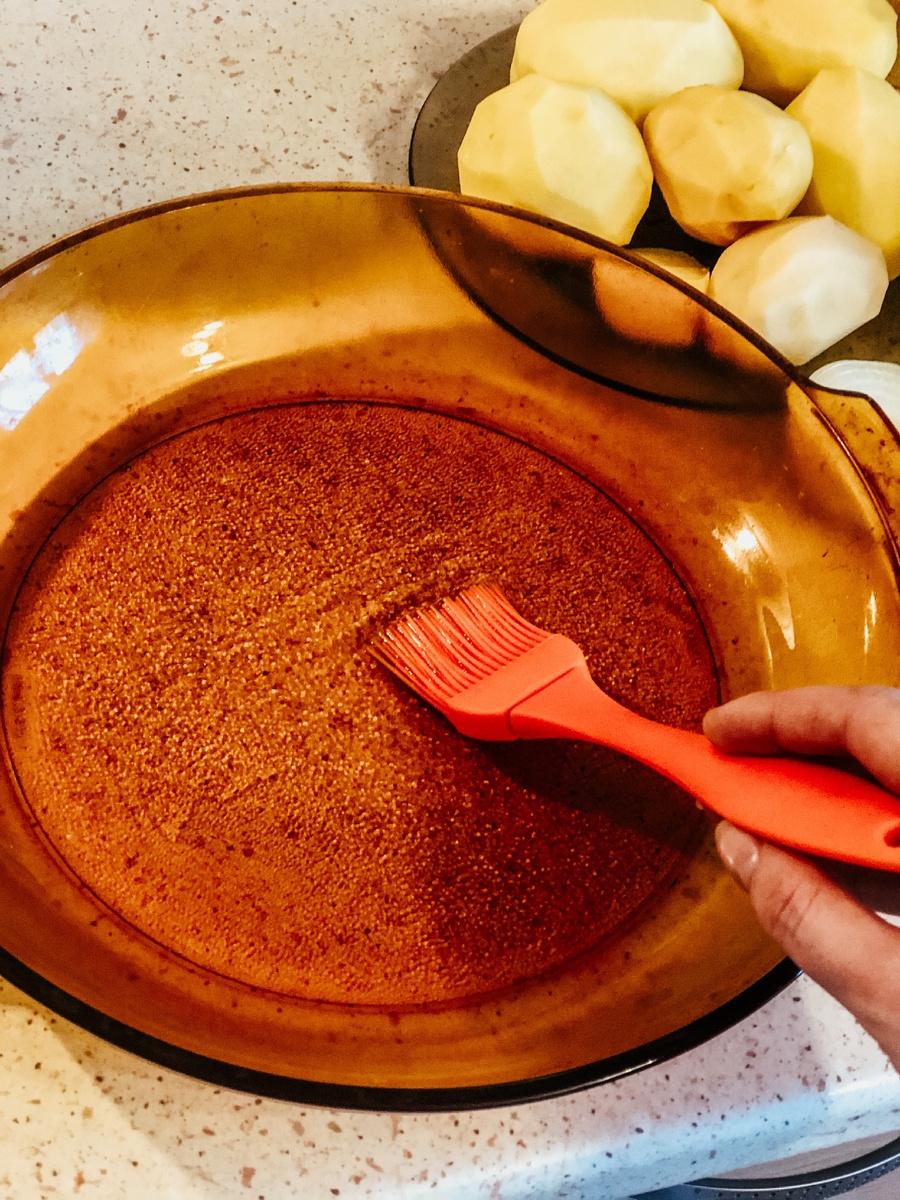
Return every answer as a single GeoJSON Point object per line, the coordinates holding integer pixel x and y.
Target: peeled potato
{"type": "Point", "coordinates": [726, 161]}
{"type": "Point", "coordinates": [802, 284]}
{"type": "Point", "coordinates": [642, 307]}
{"type": "Point", "coordinates": [785, 43]}
{"type": "Point", "coordinates": [676, 262]}
{"type": "Point", "coordinates": [637, 51]}
{"type": "Point", "coordinates": [566, 152]}
{"type": "Point", "coordinates": [853, 121]}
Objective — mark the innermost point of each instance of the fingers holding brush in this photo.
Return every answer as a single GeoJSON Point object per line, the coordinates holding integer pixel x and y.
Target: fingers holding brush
{"type": "Point", "coordinates": [838, 942]}
{"type": "Point", "coordinates": [863, 722]}
{"type": "Point", "coordinates": [848, 949]}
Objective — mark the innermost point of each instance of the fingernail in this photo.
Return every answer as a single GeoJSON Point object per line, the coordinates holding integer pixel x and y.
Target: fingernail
{"type": "Point", "coordinates": [739, 852]}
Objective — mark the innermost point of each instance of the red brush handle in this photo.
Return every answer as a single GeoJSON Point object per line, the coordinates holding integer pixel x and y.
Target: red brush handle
{"type": "Point", "coordinates": [817, 809]}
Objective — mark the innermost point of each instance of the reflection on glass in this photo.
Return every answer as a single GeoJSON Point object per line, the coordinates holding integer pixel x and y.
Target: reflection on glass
{"type": "Point", "coordinates": [741, 545]}
{"type": "Point", "coordinates": [198, 346]}
{"type": "Point", "coordinates": [24, 379]}
{"type": "Point", "coordinates": [870, 615]}
{"type": "Point", "coordinates": [744, 546]}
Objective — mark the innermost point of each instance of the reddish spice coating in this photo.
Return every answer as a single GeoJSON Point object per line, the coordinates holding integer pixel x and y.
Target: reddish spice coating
{"type": "Point", "coordinates": [204, 738]}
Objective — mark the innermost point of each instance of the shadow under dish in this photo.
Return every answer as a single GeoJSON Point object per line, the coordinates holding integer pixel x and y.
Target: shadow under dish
{"type": "Point", "coordinates": [204, 740]}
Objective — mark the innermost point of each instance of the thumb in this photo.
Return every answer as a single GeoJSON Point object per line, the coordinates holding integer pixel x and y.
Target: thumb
{"type": "Point", "coordinates": [850, 951]}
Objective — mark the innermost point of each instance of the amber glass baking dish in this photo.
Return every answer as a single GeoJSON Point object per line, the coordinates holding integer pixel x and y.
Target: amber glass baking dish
{"type": "Point", "coordinates": [771, 502]}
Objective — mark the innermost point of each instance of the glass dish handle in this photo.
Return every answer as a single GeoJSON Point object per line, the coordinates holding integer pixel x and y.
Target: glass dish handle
{"type": "Point", "coordinates": [860, 401]}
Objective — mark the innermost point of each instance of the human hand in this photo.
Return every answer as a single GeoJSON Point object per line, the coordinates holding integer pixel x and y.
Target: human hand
{"type": "Point", "coordinates": [838, 941]}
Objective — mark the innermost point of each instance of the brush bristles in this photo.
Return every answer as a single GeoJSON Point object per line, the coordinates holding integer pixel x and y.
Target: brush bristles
{"type": "Point", "coordinates": [441, 651]}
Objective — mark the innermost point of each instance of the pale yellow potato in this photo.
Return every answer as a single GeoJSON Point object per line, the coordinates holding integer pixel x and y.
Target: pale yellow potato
{"type": "Point", "coordinates": [853, 121]}
{"type": "Point", "coordinates": [726, 161]}
{"type": "Point", "coordinates": [642, 307]}
{"type": "Point", "coordinates": [727, 344]}
{"type": "Point", "coordinates": [785, 43]}
{"type": "Point", "coordinates": [802, 284]}
{"type": "Point", "coordinates": [637, 51]}
{"type": "Point", "coordinates": [565, 152]}
{"type": "Point", "coordinates": [677, 263]}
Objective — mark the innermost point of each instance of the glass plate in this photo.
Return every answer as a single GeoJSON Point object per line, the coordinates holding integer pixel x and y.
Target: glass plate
{"type": "Point", "coordinates": [442, 123]}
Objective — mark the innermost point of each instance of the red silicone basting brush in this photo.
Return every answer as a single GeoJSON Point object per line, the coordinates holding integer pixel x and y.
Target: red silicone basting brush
{"type": "Point", "coordinates": [497, 677]}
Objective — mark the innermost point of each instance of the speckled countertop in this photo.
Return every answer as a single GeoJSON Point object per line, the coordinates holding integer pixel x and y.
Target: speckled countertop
{"type": "Point", "coordinates": [81, 1118]}
{"type": "Point", "coordinates": [108, 106]}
